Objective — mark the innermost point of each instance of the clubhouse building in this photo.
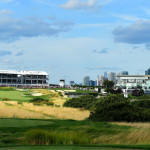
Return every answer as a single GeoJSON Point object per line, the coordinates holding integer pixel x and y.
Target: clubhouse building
{"type": "Point", "coordinates": [131, 82]}
{"type": "Point", "coordinates": [24, 78]}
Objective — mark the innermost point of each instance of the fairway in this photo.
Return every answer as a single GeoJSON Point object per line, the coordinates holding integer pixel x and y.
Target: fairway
{"type": "Point", "coordinates": [60, 148]}
{"type": "Point", "coordinates": [22, 123]}
{"type": "Point", "coordinates": [14, 95]}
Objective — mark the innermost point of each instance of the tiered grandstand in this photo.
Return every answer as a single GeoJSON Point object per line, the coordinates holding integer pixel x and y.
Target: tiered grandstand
{"type": "Point", "coordinates": [24, 78]}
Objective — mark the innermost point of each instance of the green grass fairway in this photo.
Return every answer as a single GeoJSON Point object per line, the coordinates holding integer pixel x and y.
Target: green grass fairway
{"type": "Point", "coordinates": [14, 95]}
{"type": "Point", "coordinates": [5, 123]}
{"type": "Point", "coordinates": [60, 148]}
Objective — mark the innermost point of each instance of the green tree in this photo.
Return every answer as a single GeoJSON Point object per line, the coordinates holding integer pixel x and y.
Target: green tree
{"type": "Point", "coordinates": [108, 85]}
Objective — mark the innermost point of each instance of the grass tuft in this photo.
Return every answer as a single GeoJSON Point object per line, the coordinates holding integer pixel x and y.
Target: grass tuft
{"type": "Point", "coordinates": [43, 137]}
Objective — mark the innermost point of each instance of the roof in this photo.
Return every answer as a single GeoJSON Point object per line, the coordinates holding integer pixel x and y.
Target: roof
{"type": "Point", "coordinates": [24, 72]}
{"type": "Point", "coordinates": [34, 73]}
{"type": "Point", "coordinates": [133, 75]}
{"type": "Point", "coordinates": [9, 72]}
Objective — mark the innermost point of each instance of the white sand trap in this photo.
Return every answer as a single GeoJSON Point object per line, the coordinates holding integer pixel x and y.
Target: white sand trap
{"type": "Point", "coordinates": [21, 89]}
{"type": "Point", "coordinates": [70, 90]}
{"type": "Point", "coordinates": [37, 94]}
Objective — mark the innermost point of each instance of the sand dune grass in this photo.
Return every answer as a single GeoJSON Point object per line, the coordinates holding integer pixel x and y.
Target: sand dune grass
{"type": "Point", "coordinates": [28, 110]}
{"type": "Point", "coordinates": [138, 134]}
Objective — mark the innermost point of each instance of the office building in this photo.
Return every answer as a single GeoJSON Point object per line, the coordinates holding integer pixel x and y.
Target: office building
{"type": "Point", "coordinates": [100, 80]}
{"type": "Point", "coordinates": [147, 72]}
{"type": "Point", "coordinates": [86, 81]}
{"type": "Point", "coordinates": [112, 76]}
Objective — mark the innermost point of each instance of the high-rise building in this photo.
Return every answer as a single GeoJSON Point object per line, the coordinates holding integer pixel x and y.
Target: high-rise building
{"type": "Point", "coordinates": [86, 81]}
{"type": "Point", "coordinates": [147, 72]}
{"type": "Point", "coordinates": [72, 83]}
{"type": "Point", "coordinates": [100, 80]}
{"type": "Point", "coordinates": [93, 83]}
{"type": "Point", "coordinates": [105, 75]}
{"type": "Point", "coordinates": [112, 76]}
{"type": "Point", "coordinates": [123, 73]}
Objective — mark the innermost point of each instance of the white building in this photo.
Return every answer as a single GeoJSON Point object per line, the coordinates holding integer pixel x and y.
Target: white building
{"type": "Point", "coordinates": [112, 76]}
{"type": "Point", "coordinates": [100, 80]}
{"type": "Point", "coordinates": [131, 82]}
{"type": "Point", "coordinates": [24, 78]}
{"type": "Point", "coordinates": [62, 83]}
{"type": "Point", "coordinates": [86, 81]}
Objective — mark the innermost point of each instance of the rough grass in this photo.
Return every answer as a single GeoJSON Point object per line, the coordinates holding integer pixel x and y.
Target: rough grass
{"type": "Point", "coordinates": [44, 137]}
{"type": "Point", "coordinates": [28, 110]}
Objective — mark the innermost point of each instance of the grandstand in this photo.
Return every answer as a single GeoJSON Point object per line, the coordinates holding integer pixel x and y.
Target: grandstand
{"type": "Point", "coordinates": [24, 78]}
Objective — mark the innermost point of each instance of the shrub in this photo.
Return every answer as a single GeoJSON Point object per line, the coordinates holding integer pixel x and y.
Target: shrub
{"type": "Point", "coordinates": [38, 100]}
{"type": "Point", "coordinates": [43, 137]}
{"type": "Point", "coordinates": [138, 92]}
{"type": "Point", "coordinates": [85, 102]}
{"type": "Point", "coordinates": [49, 103]}
{"type": "Point", "coordinates": [19, 102]}
{"type": "Point", "coordinates": [6, 99]}
{"type": "Point", "coordinates": [118, 108]}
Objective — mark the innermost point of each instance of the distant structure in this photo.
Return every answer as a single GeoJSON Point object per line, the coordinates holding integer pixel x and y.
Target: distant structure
{"type": "Point", "coordinates": [86, 81]}
{"type": "Point", "coordinates": [123, 73]}
{"type": "Point", "coordinates": [93, 83]}
{"type": "Point", "coordinates": [132, 82]}
{"type": "Point", "coordinates": [100, 80]}
{"type": "Point", "coordinates": [147, 72]}
{"type": "Point", "coordinates": [62, 83]}
{"type": "Point", "coordinates": [24, 78]}
{"type": "Point", "coordinates": [72, 83]}
{"type": "Point", "coordinates": [105, 75]}
{"type": "Point", "coordinates": [112, 76]}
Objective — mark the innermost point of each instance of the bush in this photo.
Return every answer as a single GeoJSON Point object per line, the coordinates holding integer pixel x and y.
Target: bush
{"type": "Point", "coordinates": [85, 102]}
{"type": "Point", "coordinates": [38, 100]}
{"type": "Point", "coordinates": [19, 102]}
{"type": "Point", "coordinates": [138, 92]}
{"type": "Point", "coordinates": [6, 99]}
{"type": "Point", "coordinates": [118, 108]}
{"type": "Point", "coordinates": [43, 137]}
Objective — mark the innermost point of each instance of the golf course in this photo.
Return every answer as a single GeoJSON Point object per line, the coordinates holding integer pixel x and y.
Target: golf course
{"type": "Point", "coordinates": [27, 124]}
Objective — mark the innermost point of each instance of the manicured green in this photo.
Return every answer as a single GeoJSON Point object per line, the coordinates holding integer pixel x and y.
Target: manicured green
{"type": "Point", "coordinates": [10, 123]}
{"type": "Point", "coordinates": [14, 95]}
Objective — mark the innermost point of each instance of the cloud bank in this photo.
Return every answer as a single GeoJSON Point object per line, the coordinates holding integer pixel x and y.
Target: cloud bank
{"type": "Point", "coordinates": [136, 33]}
{"type": "Point", "coordinates": [13, 28]}
{"type": "Point", "coordinates": [82, 4]}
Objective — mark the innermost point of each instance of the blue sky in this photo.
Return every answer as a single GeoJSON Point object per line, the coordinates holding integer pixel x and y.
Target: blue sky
{"type": "Point", "coordinates": [74, 38]}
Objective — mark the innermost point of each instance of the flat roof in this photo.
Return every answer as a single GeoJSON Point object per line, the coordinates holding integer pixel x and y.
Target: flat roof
{"type": "Point", "coordinates": [9, 72]}
{"type": "Point", "coordinates": [24, 72]}
{"type": "Point", "coordinates": [133, 75]}
{"type": "Point", "coordinates": [34, 73]}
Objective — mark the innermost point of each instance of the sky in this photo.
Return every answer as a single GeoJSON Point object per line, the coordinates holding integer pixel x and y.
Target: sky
{"type": "Point", "coordinates": [70, 39]}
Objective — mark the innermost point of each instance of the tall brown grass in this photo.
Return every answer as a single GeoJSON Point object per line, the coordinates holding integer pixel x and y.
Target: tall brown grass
{"type": "Point", "coordinates": [28, 109]}
{"type": "Point", "coordinates": [43, 137]}
{"type": "Point", "coordinates": [138, 134]}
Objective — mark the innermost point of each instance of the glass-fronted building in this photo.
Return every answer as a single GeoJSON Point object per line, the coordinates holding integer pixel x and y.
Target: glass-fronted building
{"type": "Point", "coordinates": [23, 78]}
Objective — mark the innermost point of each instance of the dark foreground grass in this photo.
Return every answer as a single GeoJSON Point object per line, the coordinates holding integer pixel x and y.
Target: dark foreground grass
{"type": "Point", "coordinates": [100, 147]}
{"type": "Point", "coordinates": [17, 131]}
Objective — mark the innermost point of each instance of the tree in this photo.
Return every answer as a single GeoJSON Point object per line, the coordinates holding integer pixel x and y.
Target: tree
{"type": "Point", "coordinates": [138, 92]}
{"type": "Point", "coordinates": [108, 85]}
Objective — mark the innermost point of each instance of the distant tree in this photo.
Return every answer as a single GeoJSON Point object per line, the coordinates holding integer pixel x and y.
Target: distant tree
{"type": "Point", "coordinates": [138, 92]}
{"type": "Point", "coordinates": [108, 85]}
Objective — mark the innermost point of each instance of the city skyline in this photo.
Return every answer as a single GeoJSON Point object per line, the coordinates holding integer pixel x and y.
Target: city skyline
{"type": "Point", "coordinates": [71, 39]}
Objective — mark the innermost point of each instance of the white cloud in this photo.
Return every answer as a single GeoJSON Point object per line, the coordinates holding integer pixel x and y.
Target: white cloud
{"type": "Point", "coordinates": [82, 4]}
{"type": "Point", "coordinates": [13, 28]}
{"type": "Point", "coordinates": [136, 33]}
